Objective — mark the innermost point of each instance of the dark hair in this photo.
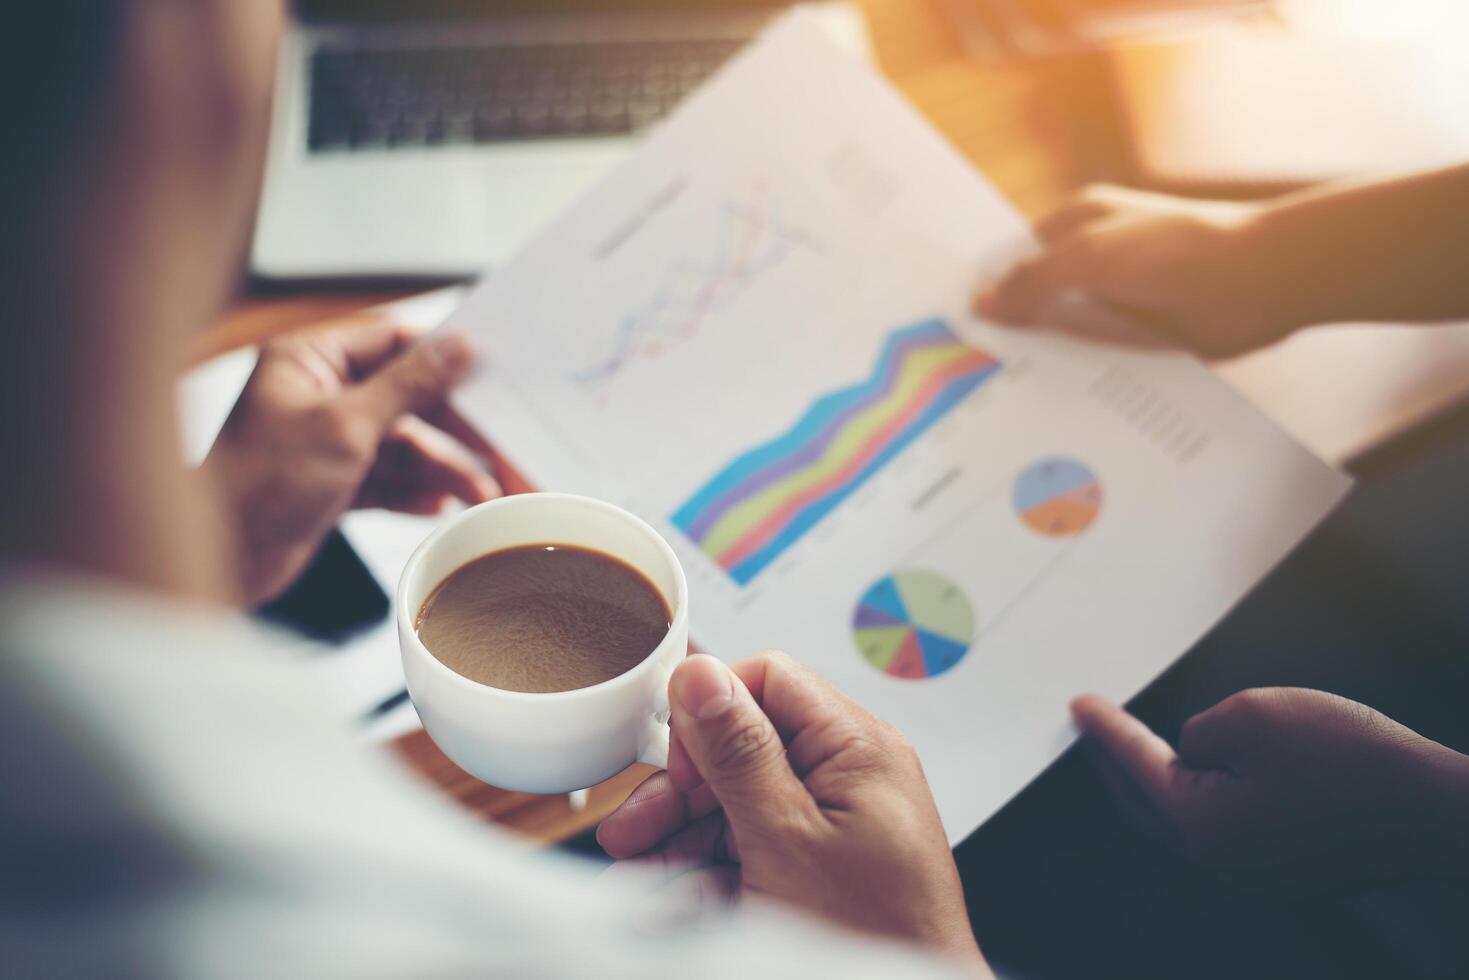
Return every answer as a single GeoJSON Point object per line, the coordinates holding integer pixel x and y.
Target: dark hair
{"type": "Point", "coordinates": [55, 62]}
{"type": "Point", "coordinates": [54, 59]}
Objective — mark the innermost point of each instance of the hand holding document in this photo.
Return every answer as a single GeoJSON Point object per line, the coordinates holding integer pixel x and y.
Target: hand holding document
{"type": "Point", "coordinates": [755, 336]}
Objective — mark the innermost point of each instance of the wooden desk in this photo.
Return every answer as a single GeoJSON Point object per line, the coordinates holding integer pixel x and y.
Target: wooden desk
{"type": "Point", "coordinates": [1038, 130]}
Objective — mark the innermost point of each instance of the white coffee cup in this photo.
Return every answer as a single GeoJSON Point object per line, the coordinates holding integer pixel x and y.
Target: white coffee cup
{"type": "Point", "coordinates": [562, 741]}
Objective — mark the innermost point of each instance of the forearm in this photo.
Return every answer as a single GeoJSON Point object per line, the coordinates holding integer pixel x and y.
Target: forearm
{"type": "Point", "coordinates": [1393, 249]}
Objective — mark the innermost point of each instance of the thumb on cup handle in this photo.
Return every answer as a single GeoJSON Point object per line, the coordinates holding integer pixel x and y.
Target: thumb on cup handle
{"type": "Point", "coordinates": [734, 746]}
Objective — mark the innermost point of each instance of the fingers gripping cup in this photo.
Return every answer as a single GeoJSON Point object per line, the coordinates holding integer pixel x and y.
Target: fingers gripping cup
{"type": "Point", "coordinates": [520, 731]}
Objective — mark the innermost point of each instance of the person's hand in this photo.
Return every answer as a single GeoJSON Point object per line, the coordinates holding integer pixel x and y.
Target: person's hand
{"type": "Point", "coordinates": [1291, 781]}
{"type": "Point", "coordinates": [333, 419]}
{"type": "Point", "coordinates": [796, 793]}
{"type": "Point", "coordinates": [1163, 270]}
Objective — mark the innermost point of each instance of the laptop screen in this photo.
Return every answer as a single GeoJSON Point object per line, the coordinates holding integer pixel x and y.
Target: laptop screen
{"type": "Point", "coordinates": [319, 10]}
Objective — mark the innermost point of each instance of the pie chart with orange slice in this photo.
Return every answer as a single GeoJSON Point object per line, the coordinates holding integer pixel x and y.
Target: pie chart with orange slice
{"type": "Point", "coordinates": [913, 625]}
{"type": "Point", "coordinates": [1058, 497]}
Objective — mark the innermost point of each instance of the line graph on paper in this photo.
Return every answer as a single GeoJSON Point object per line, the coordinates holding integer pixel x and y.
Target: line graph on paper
{"type": "Point", "coordinates": [752, 240]}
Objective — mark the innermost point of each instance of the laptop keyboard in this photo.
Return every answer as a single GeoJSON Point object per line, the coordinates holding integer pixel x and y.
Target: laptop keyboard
{"type": "Point", "coordinates": [381, 98]}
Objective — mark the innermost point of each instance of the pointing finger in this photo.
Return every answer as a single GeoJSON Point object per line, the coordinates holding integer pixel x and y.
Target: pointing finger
{"type": "Point", "coordinates": [1145, 759]}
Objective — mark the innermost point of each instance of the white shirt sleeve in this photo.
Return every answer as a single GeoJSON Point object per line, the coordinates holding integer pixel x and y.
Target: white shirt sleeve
{"type": "Point", "coordinates": [176, 804]}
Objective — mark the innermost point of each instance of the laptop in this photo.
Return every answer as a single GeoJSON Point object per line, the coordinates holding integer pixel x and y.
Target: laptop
{"type": "Point", "coordinates": [433, 138]}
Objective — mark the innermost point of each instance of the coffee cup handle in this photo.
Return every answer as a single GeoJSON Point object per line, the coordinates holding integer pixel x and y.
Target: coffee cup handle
{"type": "Point", "coordinates": [655, 738]}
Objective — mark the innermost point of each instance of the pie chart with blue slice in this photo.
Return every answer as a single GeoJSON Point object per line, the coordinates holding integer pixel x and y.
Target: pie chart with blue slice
{"type": "Point", "coordinates": [913, 625]}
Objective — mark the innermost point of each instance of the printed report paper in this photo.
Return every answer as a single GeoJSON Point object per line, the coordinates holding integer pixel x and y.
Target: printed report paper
{"type": "Point", "coordinates": [756, 335]}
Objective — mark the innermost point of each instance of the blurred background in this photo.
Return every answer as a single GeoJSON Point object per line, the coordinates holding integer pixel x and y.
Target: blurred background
{"type": "Point", "coordinates": [425, 141]}
{"type": "Point", "coordinates": [421, 143]}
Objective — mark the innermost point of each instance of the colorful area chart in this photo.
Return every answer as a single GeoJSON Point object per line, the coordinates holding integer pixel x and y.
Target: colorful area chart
{"type": "Point", "coordinates": [766, 499]}
{"type": "Point", "coordinates": [913, 625]}
{"type": "Point", "coordinates": [1058, 497]}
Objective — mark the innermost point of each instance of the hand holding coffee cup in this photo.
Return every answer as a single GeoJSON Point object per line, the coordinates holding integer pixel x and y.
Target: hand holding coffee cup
{"type": "Point", "coordinates": [781, 786]}
{"type": "Point", "coordinates": [538, 634]}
